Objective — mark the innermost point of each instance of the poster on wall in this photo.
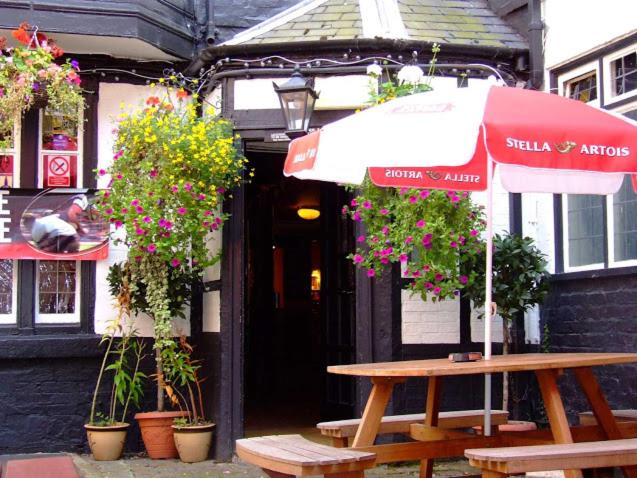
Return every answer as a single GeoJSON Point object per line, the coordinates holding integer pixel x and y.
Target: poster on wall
{"type": "Point", "coordinates": [6, 170]}
{"type": "Point", "coordinates": [51, 224]}
{"type": "Point", "coordinates": [60, 170]}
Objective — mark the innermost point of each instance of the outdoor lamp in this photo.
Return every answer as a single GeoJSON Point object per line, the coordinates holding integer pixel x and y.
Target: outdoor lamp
{"type": "Point", "coordinates": [297, 97]}
{"type": "Point", "coordinates": [308, 213]}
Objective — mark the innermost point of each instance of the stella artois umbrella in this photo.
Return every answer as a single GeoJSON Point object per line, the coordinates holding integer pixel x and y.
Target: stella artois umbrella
{"type": "Point", "coordinates": [453, 140]}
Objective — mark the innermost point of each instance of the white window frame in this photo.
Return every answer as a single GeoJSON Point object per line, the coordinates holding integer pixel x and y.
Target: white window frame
{"type": "Point", "coordinates": [577, 73]}
{"type": "Point", "coordinates": [610, 232]}
{"type": "Point", "coordinates": [73, 318]}
{"type": "Point", "coordinates": [609, 96]}
{"type": "Point", "coordinates": [565, 248]}
{"type": "Point", "coordinates": [79, 153]}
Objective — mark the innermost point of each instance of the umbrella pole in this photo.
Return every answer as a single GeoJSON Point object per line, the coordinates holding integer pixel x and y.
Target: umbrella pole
{"type": "Point", "coordinates": [487, 296]}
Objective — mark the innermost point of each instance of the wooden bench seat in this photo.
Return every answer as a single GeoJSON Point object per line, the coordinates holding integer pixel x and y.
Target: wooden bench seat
{"type": "Point", "coordinates": [293, 455]}
{"type": "Point", "coordinates": [629, 415]}
{"type": "Point", "coordinates": [340, 431]}
{"type": "Point", "coordinates": [498, 462]}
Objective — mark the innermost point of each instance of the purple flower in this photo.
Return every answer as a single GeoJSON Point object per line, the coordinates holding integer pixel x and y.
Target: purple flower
{"type": "Point", "coordinates": [221, 190]}
{"type": "Point", "coordinates": [151, 248]}
{"type": "Point", "coordinates": [421, 223]}
{"type": "Point", "coordinates": [182, 211]}
{"type": "Point", "coordinates": [175, 262]}
{"type": "Point", "coordinates": [463, 279]}
{"type": "Point", "coordinates": [371, 272]}
{"type": "Point", "coordinates": [75, 64]}
{"type": "Point", "coordinates": [456, 293]}
{"type": "Point", "coordinates": [357, 216]}
{"type": "Point", "coordinates": [358, 259]}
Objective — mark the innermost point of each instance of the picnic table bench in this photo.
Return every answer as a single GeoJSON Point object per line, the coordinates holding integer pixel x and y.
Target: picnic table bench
{"type": "Point", "coordinates": [341, 431]}
{"type": "Point", "coordinates": [293, 455]}
{"type": "Point", "coordinates": [499, 462]}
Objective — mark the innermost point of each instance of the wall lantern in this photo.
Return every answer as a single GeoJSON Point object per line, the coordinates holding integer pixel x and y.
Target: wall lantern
{"type": "Point", "coordinates": [308, 213]}
{"type": "Point", "coordinates": [297, 97]}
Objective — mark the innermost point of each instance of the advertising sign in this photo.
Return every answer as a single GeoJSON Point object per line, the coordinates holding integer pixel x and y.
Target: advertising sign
{"type": "Point", "coordinates": [51, 224]}
{"type": "Point", "coordinates": [6, 170]}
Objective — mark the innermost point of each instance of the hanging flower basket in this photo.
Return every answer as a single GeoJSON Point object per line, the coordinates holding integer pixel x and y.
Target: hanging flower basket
{"type": "Point", "coordinates": [30, 76]}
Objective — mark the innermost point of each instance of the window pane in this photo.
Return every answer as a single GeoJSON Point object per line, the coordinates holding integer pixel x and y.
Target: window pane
{"type": "Point", "coordinates": [583, 88]}
{"type": "Point", "coordinates": [625, 222]}
{"type": "Point", "coordinates": [585, 230]}
{"type": "Point", "coordinates": [57, 286]}
{"type": "Point", "coordinates": [59, 132]}
{"type": "Point", "coordinates": [6, 286]}
{"type": "Point", "coordinates": [625, 74]}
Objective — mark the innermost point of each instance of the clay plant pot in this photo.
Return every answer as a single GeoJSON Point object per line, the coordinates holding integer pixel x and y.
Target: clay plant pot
{"type": "Point", "coordinates": [157, 433]}
{"type": "Point", "coordinates": [193, 442]}
{"type": "Point", "coordinates": [107, 442]}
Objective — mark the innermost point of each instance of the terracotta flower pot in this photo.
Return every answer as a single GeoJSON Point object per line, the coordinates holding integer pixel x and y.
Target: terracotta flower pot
{"type": "Point", "coordinates": [193, 442]}
{"type": "Point", "coordinates": [107, 443]}
{"type": "Point", "coordinates": [157, 433]}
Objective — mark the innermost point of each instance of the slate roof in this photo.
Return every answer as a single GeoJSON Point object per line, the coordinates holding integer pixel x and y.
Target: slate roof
{"type": "Point", "coordinates": [451, 22]}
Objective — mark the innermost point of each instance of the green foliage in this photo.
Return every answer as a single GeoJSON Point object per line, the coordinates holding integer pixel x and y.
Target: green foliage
{"type": "Point", "coordinates": [520, 277]}
{"type": "Point", "coordinates": [121, 363]}
{"type": "Point", "coordinates": [431, 233]}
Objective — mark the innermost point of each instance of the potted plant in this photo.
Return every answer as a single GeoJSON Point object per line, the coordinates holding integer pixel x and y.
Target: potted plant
{"type": "Point", "coordinates": [170, 173]}
{"type": "Point", "coordinates": [106, 432]}
{"type": "Point", "coordinates": [29, 75]}
{"type": "Point", "coordinates": [193, 433]}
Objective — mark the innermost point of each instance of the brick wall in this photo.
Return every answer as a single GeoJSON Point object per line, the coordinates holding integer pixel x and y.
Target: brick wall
{"type": "Point", "coordinates": [595, 315]}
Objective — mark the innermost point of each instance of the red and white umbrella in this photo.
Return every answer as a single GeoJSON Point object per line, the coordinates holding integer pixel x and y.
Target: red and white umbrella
{"type": "Point", "coordinates": [453, 139]}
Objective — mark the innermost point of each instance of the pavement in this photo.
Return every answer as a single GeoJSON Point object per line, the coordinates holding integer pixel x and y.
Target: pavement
{"type": "Point", "coordinates": [139, 467]}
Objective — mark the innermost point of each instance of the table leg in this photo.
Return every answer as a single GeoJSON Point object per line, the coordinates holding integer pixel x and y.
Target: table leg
{"type": "Point", "coordinates": [374, 410]}
{"type": "Point", "coordinates": [601, 410]}
{"type": "Point", "coordinates": [555, 412]}
{"type": "Point", "coordinates": [431, 419]}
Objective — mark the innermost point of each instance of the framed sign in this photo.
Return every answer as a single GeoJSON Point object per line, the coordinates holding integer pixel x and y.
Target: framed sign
{"type": "Point", "coordinates": [60, 170]}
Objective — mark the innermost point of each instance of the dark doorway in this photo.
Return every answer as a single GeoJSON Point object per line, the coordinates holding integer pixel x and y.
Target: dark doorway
{"type": "Point", "coordinates": [299, 302]}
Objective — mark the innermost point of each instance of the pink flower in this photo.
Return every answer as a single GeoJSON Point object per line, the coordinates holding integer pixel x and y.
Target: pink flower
{"type": "Point", "coordinates": [429, 285]}
{"type": "Point", "coordinates": [424, 194]}
{"type": "Point", "coordinates": [134, 202]}
{"type": "Point", "coordinates": [384, 260]}
{"type": "Point", "coordinates": [421, 223]}
{"type": "Point", "coordinates": [151, 248]}
{"type": "Point", "coordinates": [437, 290]}
{"type": "Point", "coordinates": [354, 203]}
{"type": "Point", "coordinates": [108, 211]}
{"type": "Point", "coordinates": [453, 244]}
{"type": "Point", "coordinates": [416, 273]}
{"type": "Point", "coordinates": [409, 240]}
{"type": "Point", "coordinates": [215, 227]}
{"type": "Point", "coordinates": [153, 173]}
{"type": "Point", "coordinates": [357, 216]}
{"type": "Point", "coordinates": [124, 210]}
{"type": "Point", "coordinates": [463, 279]}
{"type": "Point", "coordinates": [106, 194]}
{"type": "Point", "coordinates": [385, 230]}
{"type": "Point", "coordinates": [182, 211]}
{"type": "Point", "coordinates": [473, 233]}
{"type": "Point", "coordinates": [187, 186]}
{"type": "Point", "coordinates": [119, 176]}
{"type": "Point", "coordinates": [360, 239]}
{"type": "Point", "coordinates": [358, 259]}
{"type": "Point", "coordinates": [139, 209]}
{"type": "Point", "coordinates": [438, 277]}
{"type": "Point", "coordinates": [371, 272]}
{"type": "Point", "coordinates": [175, 262]}
{"type": "Point", "coordinates": [174, 189]}
{"type": "Point", "coordinates": [403, 258]}
{"type": "Point", "coordinates": [367, 205]}
{"type": "Point", "coordinates": [139, 231]}
{"type": "Point", "coordinates": [201, 197]}
{"type": "Point", "coordinates": [384, 212]}
{"type": "Point", "coordinates": [413, 199]}
{"type": "Point", "coordinates": [403, 191]}
{"type": "Point", "coordinates": [118, 224]}
{"type": "Point", "coordinates": [147, 219]}
{"type": "Point", "coordinates": [426, 268]}
{"type": "Point", "coordinates": [207, 213]}
{"type": "Point", "coordinates": [102, 172]}
{"type": "Point", "coordinates": [221, 190]}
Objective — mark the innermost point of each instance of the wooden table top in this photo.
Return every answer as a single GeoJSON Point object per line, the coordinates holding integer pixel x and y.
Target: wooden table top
{"type": "Point", "coordinates": [498, 363]}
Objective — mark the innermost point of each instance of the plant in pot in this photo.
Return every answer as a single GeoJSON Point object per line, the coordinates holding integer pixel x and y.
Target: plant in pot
{"type": "Point", "coordinates": [193, 433]}
{"type": "Point", "coordinates": [170, 173]}
{"type": "Point", "coordinates": [30, 76]}
{"type": "Point", "coordinates": [520, 281]}
{"type": "Point", "coordinates": [106, 432]}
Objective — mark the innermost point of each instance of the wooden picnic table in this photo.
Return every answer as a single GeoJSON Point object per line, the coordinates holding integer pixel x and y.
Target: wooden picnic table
{"type": "Point", "coordinates": [435, 442]}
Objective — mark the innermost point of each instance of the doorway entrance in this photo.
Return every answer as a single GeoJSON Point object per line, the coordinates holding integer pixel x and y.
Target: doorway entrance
{"type": "Point", "coordinates": [299, 302]}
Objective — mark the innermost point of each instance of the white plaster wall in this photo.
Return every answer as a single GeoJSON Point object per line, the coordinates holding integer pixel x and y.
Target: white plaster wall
{"type": "Point", "coordinates": [426, 322]}
{"type": "Point", "coordinates": [477, 327]}
{"type": "Point", "coordinates": [111, 96]}
{"type": "Point", "coordinates": [574, 27]}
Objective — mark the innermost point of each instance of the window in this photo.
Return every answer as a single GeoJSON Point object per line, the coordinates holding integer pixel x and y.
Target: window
{"type": "Point", "coordinates": [8, 297]}
{"type": "Point", "coordinates": [56, 297]}
{"type": "Point", "coordinates": [583, 88]}
{"type": "Point", "coordinates": [624, 74]}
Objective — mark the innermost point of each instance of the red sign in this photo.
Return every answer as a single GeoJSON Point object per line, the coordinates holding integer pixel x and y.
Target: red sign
{"type": "Point", "coordinates": [302, 153]}
{"type": "Point", "coordinates": [60, 170]}
{"type": "Point", "coordinates": [6, 171]}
